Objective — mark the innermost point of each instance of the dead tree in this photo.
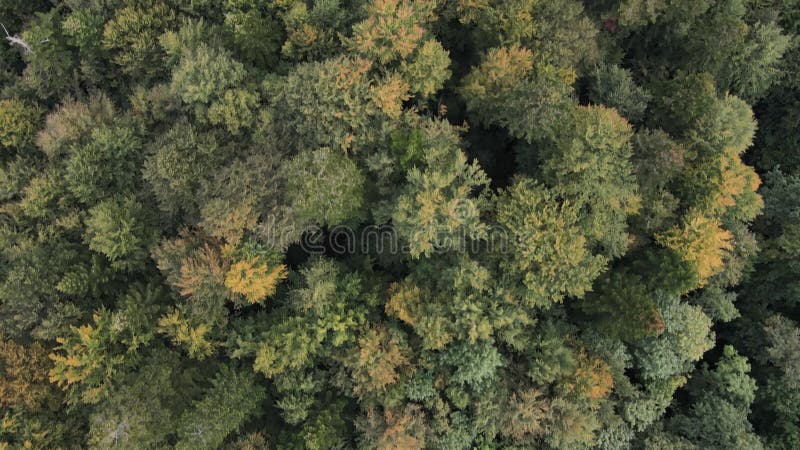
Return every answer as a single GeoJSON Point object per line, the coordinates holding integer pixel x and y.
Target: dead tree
{"type": "Point", "coordinates": [18, 41]}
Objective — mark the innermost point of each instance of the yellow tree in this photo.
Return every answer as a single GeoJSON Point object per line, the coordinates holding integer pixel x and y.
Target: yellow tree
{"type": "Point", "coordinates": [701, 242]}
{"type": "Point", "coordinates": [253, 279]}
{"type": "Point", "coordinates": [87, 359]}
{"type": "Point", "coordinates": [737, 195]}
{"type": "Point", "coordinates": [192, 338]}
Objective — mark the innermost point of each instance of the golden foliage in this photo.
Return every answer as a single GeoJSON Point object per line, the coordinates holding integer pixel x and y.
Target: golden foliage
{"type": "Point", "coordinates": [502, 69]}
{"type": "Point", "coordinates": [193, 339]}
{"type": "Point", "coordinates": [253, 280]}
{"type": "Point", "coordinates": [390, 94]}
{"type": "Point", "coordinates": [738, 179]}
{"type": "Point", "coordinates": [402, 301]}
{"type": "Point", "coordinates": [701, 242]}
{"type": "Point", "coordinates": [85, 357]}
{"type": "Point", "coordinates": [228, 221]}
{"type": "Point", "coordinates": [417, 307]}
{"type": "Point", "coordinates": [592, 377]}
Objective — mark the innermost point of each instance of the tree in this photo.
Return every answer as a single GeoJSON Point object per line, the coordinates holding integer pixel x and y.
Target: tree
{"type": "Point", "coordinates": [392, 30]}
{"type": "Point", "coordinates": [558, 31]}
{"type": "Point", "coordinates": [140, 411]}
{"type": "Point", "coordinates": [687, 335]}
{"type": "Point", "coordinates": [613, 86]}
{"type": "Point", "coordinates": [254, 280]}
{"type": "Point", "coordinates": [592, 167]}
{"type": "Point", "coordinates": [19, 123]}
{"type": "Point", "coordinates": [524, 419]}
{"type": "Point", "coordinates": [427, 70]}
{"type": "Point", "coordinates": [623, 307]}
{"type": "Point", "coordinates": [718, 416]}
{"type": "Point", "coordinates": [28, 291]}
{"type": "Point", "coordinates": [508, 90]}
{"type": "Point", "coordinates": [204, 73]}
{"type": "Point", "coordinates": [774, 281]}
{"type": "Point", "coordinates": [50, 70]}
{"type": "Point", "coordinates": [312, 31]}
{"type": "Point", "coordinates": [657, 161]}
{"type": "Point", "coordinates": [323, 307]}
{"type": "Point", "coordinates": [571, 425]}
{"type": "Point", "coordinates": [256, 35]}
{"type": "Point", "coordinates": [185, 334]}
{"type": "Point", "coordinates": [379, 360]}
{"type": "Point", "coordinates": [105, 165]}
{"type": "Point", "coordinates": [701, 242]}
{"type": "Point", "coordinates": [234, 397]}
{"type": "Point", "coordinates": [23, 380]}
{"type": "Point", "coordinates": [778, 395]}
{"type": "Point", "coordinates": [325, 104]}
{"type": "Point", "coordinates": [550, 254]}
{"type": "Point", "coordinates": [438, 210]}
{"type": "Point", "coordinates": [72, 123]}
{"type": "Point", "coordinates": [91, 357]}
{"type": "Point", "coordinates": [235, 109]}
{"type": "Point", "coordinates": [403, 428]}
{"type": "Point", "coordinates": [473, 365]}
{"type": "Point", "coordinates": [132, 38]}
{"type": "Point", "coordinates": [177, 163]}
{"type": "Point", "coordinates": [86, 361]}
{"type": "Point", "coordinates": [120, 229]}
{"type": "Point", "coordinates": [324, 181]}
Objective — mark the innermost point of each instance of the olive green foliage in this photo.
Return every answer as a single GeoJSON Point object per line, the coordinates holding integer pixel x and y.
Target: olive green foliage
{"type": "Point", "coordinates": [400, 224]}
{"type": "Point", "coordinates": [19, 124]}
{"type": "Point", "coordinates": [327, 182]}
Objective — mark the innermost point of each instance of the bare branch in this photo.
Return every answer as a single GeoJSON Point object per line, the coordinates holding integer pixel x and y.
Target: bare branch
{"type": "Point", "coordinates": [18, 41]}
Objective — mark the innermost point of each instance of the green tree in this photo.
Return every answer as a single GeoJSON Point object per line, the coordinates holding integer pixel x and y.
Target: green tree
{"type": "Point", "coordinates": [121, 229]}
{"type": "Point", "coordinates": [140, 411]}
{"type": "Point", "coordinates": [132, 38]}
{"type": "Point", "coordinates": [717, 417]}
{"type": "Point", "coordinates": [204, 73]}
{"type": "Point", "coordinates": [508, 89]}
{"type": "Point", "coordinates": [623, 307]}
{"type": "Point", "coordinates": [775, 410]}
{"type": "Point", "coordinates": [72, 123]}
{"type": "Point", "coordinates": [551, 257]}
{"type": "Point", "coordinates": [614, 87]}
{"type": "Point", "coordinates": [257, 36]}
{"type": "Point", "coordinates": [105, 165]}
{"type": "Point", "coordinates": [233, 398]}
{"type": "Point", "coordinates": [440, 207]}
{"type": "Point", "coordinates": [591, 166]}
{"type": "Point", "coordinates": [177, 163]}
{"type": "Point", "coordinates": [324, 186]}
{"type": "Point", "coordinates": [687, 335]}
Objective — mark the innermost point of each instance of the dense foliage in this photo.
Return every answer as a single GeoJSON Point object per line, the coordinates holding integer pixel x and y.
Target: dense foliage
{"type": "Point", "coordinates": [445, 224]}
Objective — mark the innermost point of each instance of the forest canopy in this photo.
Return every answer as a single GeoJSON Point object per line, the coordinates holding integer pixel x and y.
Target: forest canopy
{"type": "Point", "coordinates": [400, 224]}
